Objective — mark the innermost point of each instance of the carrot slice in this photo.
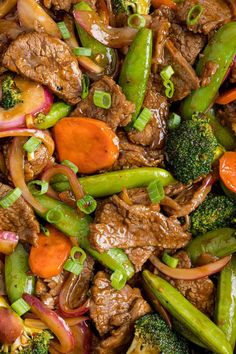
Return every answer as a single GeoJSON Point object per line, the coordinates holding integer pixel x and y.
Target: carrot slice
{"type": "Point", "coordinates": [228, 170]}
{"type": "Point", "coordinates": [169, 3]}
{"type": "Point", "coordinates": [47, 259]}
{"type": "Point", "coordinates": [89, 143]}
{"type": "Point", "coordinates": [227, 97]}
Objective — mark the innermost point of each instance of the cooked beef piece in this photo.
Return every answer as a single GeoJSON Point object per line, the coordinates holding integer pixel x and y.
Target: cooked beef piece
{"type": "Point", "coordinates": [136, 196]}
{"type": "Point", "coordinates": [184, 78]}
{"type": "Point", "coordinates": [4, 43]}
{"type": "Point", "coordinates": [48, 289]}
{"type": "Point", "coordinates": [227, 115]}
{"type": "Point", "coordinates": [174, 189]}
{"type": "Point", "coordinates": [19, 218]}
{"type": "Point", "coordinates": [47, 60]}
{"type": "Point", "coordinates": [233, 73]}
{"type": "Point", "coordinates": [208, 72]}
{"type": "Point", "coordinates": [139, 255]}
{"type": "Point", "coordinates": [115, 311]}
{"type": "Point", "coordinates": [118, 224]}
{"type": "Point", "coordinates": [199, 292]}
{"type": "Point", "coordinates": [188, 43]}
{"type": "Point", "coordinates": [215, 13]}
{"type": "Point", "coordinates": [153, 134]}
{"type": "Point", "coordinates": [132, 155]}
{"type": "Point", "coordinates": [64, 4]}
{"type": "Point", "coordinates": [120, 112]}
{"type": "Point", "coordinates": [163, 12]}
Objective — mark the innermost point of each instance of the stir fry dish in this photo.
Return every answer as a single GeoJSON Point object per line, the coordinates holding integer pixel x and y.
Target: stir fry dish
{"type": "Point", "coordinates": [118, 176]}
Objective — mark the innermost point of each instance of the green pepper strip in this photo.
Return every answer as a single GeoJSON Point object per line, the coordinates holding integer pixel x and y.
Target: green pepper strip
{"type": "Point", "coordinates": [226, 301]}
{"type": "Point", "coordinates": [219, 243]}
{"type": "Point", "coordinates": [187, 314]}
{"type": "Point", "coordinates": [220, 50]}
{"type": "Point", "coordinates": [73, 225]}
{"type": "Point", "coordinates": [104, 56]}
{"type": "Point", "coordinates": [113, 182]}
{"type": "Point", "coordinates": [136, 69]}
{"type": "Point", "coordinates": [16, 278]}
{"type": "Point", "coordinates": [57, 111]}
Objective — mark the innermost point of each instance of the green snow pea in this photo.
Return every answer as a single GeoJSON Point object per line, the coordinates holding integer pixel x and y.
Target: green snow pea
{"type": "Point", "coordinates": [58, 110]}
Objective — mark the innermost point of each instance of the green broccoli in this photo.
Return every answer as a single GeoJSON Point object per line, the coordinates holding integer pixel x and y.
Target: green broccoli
{"type": "Point", "coordinates": [191, 149]}
{"type": "Point", "coordinates": [10, 93]}
{"type": "Point", "coordinates": [153, 336]}
{"type": "Point", "coordinates": [215, 212]}
{"type": "Point", "coordinates": [131, 6]}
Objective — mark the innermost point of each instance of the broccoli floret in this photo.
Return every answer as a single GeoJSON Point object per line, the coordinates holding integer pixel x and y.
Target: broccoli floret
{"type": "Point", "coordinates": [216, 211]}
{"type": "Point", "coordinates": [153, 336]}
{"type": "Point", "coordinates": [10, 93]}
{"type": "Point", "coordinates": [190, 149]}
{"type": "Point", "coordinates": [131, 6]}
{"type": "Point", "coordinates": [37, 344]}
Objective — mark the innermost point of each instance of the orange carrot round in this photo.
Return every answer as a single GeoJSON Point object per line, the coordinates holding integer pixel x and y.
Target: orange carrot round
{"type": "Point", "coordinates": [47, 259]}
{"type": "Point", "coordinates": [228, 170]}
{"type": "Point", "coordinates": [227, 97]}
{"type": "Point", "coordinates": [89, 143]}
{"type": "Point", "coordinates": [169, 3]}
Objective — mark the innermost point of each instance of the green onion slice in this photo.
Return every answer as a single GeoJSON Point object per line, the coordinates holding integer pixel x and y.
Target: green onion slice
{"type": "Point", "coordinates": [76, 250]}
{"type": "Point", "coordinates": [118, 280]}
{"type": "Point", "coordinates": [136, 21]}
{"type": "Point", "coordinates": [169, 91]}
{"type": "Point", "coordinates": [85, 86]}
{"type": "Point", "coordinates": [166, 74]}
{"type": "Point", "coordinates": [73, 267]}
{"type": "Point", "coordinates": [102, 99]}
{"type": "Point", "coordinates": [63, 29]}
{"type": "Point", "coordinates": [174, 121]}
{"type": "Point", "coordinates": [30, 285]}
{"type": "Point", "coordinates": [81, 51]}
{"type": "Point", "coordinates": [194, 14]}
{"type": "Point", "coordinates": [155, 191]}
{"type": "Point", "coordinates": [170, 261]}
{"type": "Point", "coordinates": [71, 165]}
{"type": "Point", "coordinates": [20, 307]}
{"type": "Point", "coordinates": [54, 215]}
{"type": "Point", "coordinates": [43, 187]}
{"type": "Point", "coordinates": [87, 204]}
{"type": "Point", "coordinates": [10, 198]}
{"type": "Point", "coordinates": [32, 144]}
{"type": "Point", "coordinates": [143, 119]}
{"type": "Point", "coordinates": [44, 230]}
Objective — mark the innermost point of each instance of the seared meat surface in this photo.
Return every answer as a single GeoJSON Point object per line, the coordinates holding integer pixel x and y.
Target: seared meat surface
{"type": "Point", "coordinates": [227, 115]}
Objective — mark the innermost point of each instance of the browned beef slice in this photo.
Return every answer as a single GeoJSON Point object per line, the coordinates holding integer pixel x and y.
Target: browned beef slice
{"type": "Point", "coordinates": [233, 73]}
{"type": "Point", "coordinates": [215, 13]}
{"type": "Point", "coordinates": [64, 4]}
{"type": "Point", "coordinates": [154, 132]}
{"type": "Point", "coordinates": [132, 155]}
{"type": "Point", "coordinates": [184, 79]}
{"type": "Point", "coordinates": [188, 43]}
{"type": "Point", "coordinates": [227, 114]}
{"type": "Point", "coordinates": [199, 292]}
{"type": "Point", "coordinates": [120, 112]}
{"type": "Point", "coordinates": [111, 309]}
{"type": "Point", "coordinates": [139, 255]}
{"type": "Point", "coordinates": [47, 60]}
{"type": "Point", "coordinates": [118, 224]}
{"type": "Point", "coordinates": [19, 218]}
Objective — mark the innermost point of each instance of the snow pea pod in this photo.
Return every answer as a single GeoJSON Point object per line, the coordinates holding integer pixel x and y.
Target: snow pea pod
{"type": "Point", "coordinates": [225, 314]}
{"type": "Point", "coordinates": [219, 243]}
{"type": "Point", "coordinates": [113, 182]}
{"type": "Point", "coordinates": [136, 69]}
{"type": "Point", "coordinates": [187, 314]}
{"type": "Point", "coordinates": [220, 50]}
{"type": "Point", "coordinates": [58, 110]}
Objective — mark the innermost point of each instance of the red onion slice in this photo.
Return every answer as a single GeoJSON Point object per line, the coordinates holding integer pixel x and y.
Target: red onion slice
{"type": "Point", "coordinates": [8, 241]}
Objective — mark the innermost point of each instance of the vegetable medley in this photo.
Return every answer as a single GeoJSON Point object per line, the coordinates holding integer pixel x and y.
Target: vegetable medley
{"type": "Point", "coordinates": [117, 176]}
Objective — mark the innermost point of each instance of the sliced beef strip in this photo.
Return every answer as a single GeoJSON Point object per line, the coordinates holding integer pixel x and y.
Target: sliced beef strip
{"type": "Point", "coordinates": [227, 115]}
{"type": "Point", "coordinates": [118, 224]}
{"type": "Point", "coordinates": [120, 112]}
{"type": "Point", "coordinates": [111, 309]}
{"type": "Point", "coordinates": [233, 73]}
{"type": "Point", "coordinates": [65, 4]}
{"type": "Point", "coordinates": [19, 218]}
{"type": "Point", "coordinates": [139, 256]}
{"type": "Point", "coordinates": [154, 133]}
{"type": "Point", "coordinates": [199, 292]}
{"type": "Point", "coordinates": [46, 60]}
{"type": "Point", "coordinates": [132, 155]}
{"type": "Point", "coordinates": [215, 14]}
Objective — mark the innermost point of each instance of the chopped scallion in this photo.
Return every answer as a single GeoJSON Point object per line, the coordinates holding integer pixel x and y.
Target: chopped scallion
{"type": "Point", "coordinates": [85, 86]}
{"type": "Point", "coordinates": [76, 250]}
{"type": "Point", "coordinates": [43, 187]}
{"type": "Point", "coordinates": [87, 204]}
{"type": "Point", "coordinates": [71, 165]}
{"type": "Point", "coordinates": [54, 216]}
{"type": "Point", "coordinates": [170, 261]}
{"type": "Point", "coordinates": [102, 99]}
{"type": "Point", "coordinates": [63, 29]}
{"type": "Point", "coordinates": [81, 51]}
{"type": "Point", "coordinates": [142, 119]}
{"type": "Point", "coordinates": [166, 74]}
{"type": "Point", "coordinates": [32, 144]}
{"type": "Point", "coordinates": [118, 280]}
{"type": "Point", "coordinates": [73, 267]}
{"type": "Point", "coordinates": [136, 21]}
{"type": "Point", "coordinates": [155, 191]}
{"type": "Point", "coordinates": [44, 230]}
{"type": "Point", "coordinates": [194, 14]}
{"type": "Point", "coordinates": [20, 307]}
{"type": "Point", "coordinates": [10, 198]}
{"type": "Point", "coordinates": [174, 121]}
{"type": "Point", "coordinates": [30, 285]}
